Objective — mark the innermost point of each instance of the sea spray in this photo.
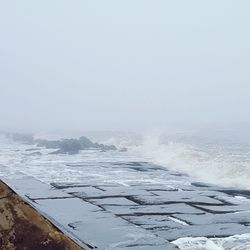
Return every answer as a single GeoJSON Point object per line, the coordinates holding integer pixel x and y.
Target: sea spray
{"type": "Point", "coordinates": [212, 163]}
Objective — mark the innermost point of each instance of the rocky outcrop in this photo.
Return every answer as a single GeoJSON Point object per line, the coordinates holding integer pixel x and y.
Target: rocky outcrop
{"type": "Point", "coordinates": [85, 142]}
{"type": "Point", "coordinates": [47, 144]}
{"type": "Point", "coordinates": [64, 146]}
{"type": "Point", "coordinates": [73, 146]}
{"type": "Point", "coordinates": [68, 146]}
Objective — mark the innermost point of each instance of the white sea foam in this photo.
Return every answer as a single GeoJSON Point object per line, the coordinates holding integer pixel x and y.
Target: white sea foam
{"type": "Point", "coordinates": [236, 242]}
{"type": "Point", "coordinates": [218, 159]}
{"type": "Point", "coordinates": [215, 165]}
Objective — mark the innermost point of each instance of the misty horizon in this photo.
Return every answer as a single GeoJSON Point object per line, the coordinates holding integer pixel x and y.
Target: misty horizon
{"type": "Point", "coordinates": [123, 65]}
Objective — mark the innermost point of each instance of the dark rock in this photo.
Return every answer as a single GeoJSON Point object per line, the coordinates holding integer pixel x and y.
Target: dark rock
{"type": "Point", "coordinates": [199, 184]}
{"type": "Point", "coordinates": [68, 146]}
{"type": "Point", "coordinates": [65, 146]}
{"type": "Point", "coordinates": [85, 142]}
{"type": "Point", "coordinates": [48, 144]}
{"type": "Point", "coordinates": [106, 147]}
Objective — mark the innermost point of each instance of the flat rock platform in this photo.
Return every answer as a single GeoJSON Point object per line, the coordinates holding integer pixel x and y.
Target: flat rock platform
{"type": "Point", "coordinates": [139, 216]}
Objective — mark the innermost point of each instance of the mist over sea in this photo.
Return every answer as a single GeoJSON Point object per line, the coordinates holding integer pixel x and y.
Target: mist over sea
{"type": "Point", "coordinates": [213, 155]}
{"type": "Point", "coordinates": [219, 156]}
{"type": "Point", "coordinates": [216, 156]}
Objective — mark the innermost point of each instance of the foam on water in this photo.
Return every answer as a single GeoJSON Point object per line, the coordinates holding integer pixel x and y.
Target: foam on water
{"type": "Point", "coordinates": [236, 242]}
{"type": "Point", "coordinates": [215, 164]}
{"type": "Point", "coordinates": [218, 157]}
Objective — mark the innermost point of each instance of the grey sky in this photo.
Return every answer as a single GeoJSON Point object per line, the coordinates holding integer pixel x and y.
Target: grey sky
{"type": "Point", "coordinates": [123, 64]}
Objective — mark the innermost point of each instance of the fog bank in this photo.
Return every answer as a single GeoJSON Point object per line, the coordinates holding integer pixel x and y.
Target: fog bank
{"type": "Point", "coordinates": [120, 65]}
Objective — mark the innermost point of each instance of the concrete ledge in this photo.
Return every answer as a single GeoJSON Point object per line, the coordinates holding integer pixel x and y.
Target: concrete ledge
{"type": "Point", "coordinates": [22, 227]}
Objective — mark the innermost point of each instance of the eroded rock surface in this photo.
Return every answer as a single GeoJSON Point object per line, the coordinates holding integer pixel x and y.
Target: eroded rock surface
{"type": "Point", "coordinates": [21, 227]}
{"type": "Point", "coordinates": [64, 146]}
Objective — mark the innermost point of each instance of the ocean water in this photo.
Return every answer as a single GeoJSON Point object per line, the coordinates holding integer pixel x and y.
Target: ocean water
{"type": "Point", "coordinates": [223, 163]}
{"type": "Point", "coordinates": [215, 156]}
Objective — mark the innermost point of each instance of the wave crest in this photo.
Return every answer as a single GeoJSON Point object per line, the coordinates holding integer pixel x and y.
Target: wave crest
{"type": "Point", "coordinates": [212, 164]}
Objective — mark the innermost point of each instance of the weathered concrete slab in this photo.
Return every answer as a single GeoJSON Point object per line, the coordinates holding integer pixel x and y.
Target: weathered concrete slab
{"type": "Point", "coordinates": [126, 191]}
{"type": "Point", "coordinates": [209, 230]}
{"type": "Point", "coordinates": [225, 208]}
{"type": "Point", "coordinates": [64, 185]}
{"type": "Point", "coordinates": [149, 247]}
{"type": "Point", "coordinates": [154, 221]}
{"type": "Point", "coordinates": [191, 193]}
{"type": "Point", "coordinates": [137, 212]}
{"type": "Point", "coordinates": [94, 226]}
{"type": "Point", "coordinates": [87, 223]}
{"type": "Point", "coordinates": [115, 201]}
{"type": "Point", "coordinates": [113, 233]}
{"type": "Point", "coordinates": [34, 189]}
{"type": "Point", "coordinates": [106, 191]}
{"type": "Point", "coordinates": [204, 219]}
{"type": "Point", "coordinates": [180, 208]}
{"type": "Point", "coordinates": [166, 197]}
{"type": "Point", "coordinates": [84, 192]}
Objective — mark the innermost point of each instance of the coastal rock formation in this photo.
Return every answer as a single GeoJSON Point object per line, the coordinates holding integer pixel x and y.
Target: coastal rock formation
{"type": "Point", "coordinates": [64, 146]}
{"type": "Point", "coordinates": [68, 146]}
{"type": "Point", "coordinates": [85, 142]}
